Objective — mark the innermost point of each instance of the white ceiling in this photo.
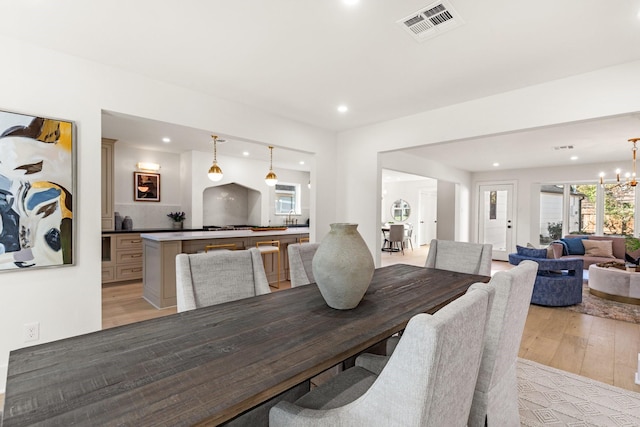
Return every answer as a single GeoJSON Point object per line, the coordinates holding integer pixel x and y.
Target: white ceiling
{"type": "Point", "coordinates": [301, 58]}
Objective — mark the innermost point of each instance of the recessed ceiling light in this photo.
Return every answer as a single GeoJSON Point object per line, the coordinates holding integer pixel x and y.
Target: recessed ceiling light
{"type": "Point", "coordinates": [302, 162]}
{"type": "Point", "coordinates": [165, 139]}
{"type": "Point", "coordinates": [574, 157]}
{"type": "Point", "coordinates": [245, 153]}
{"type": "Point", "coordinates": [343, 109]}
{"type": "Point", "coordinates": [496, 164]}
{"type": "Point", "coordinates": [351, 2]}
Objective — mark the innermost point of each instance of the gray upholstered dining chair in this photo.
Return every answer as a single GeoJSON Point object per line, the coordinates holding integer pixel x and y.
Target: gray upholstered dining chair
{"type": "Point", "coordinates": [396, 238]}
{"type": "Point", "coordinates": [300, 260]}
{"type": "Point", "coordinates": [428, 381]}
{"type": "Point", "coordinates": [215, 277]}
{"type": "Point", "coordinates": [495, 400]}
{"type": "Point", "coordinates": [463, 257]}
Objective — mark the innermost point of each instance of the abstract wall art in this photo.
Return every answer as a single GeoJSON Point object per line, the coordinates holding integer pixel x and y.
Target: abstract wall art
{"type": "Point", "coordinates": [37, 184]}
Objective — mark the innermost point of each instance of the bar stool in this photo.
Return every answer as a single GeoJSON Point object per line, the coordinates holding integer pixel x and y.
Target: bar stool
{"type": "Point", "coordinates": [303, 240]}
{"type": "Point", "coordinates": [228, 246]}
{"type": "Point", "coordinates": [271, 247]}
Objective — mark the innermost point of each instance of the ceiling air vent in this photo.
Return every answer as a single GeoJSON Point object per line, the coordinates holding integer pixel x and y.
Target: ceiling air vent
{"type": "Point", "coordinates": [431, 21]}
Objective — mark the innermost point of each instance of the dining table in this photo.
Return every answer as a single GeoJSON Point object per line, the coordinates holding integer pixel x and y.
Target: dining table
{"type": "Point", "coordinates": [209, 365]}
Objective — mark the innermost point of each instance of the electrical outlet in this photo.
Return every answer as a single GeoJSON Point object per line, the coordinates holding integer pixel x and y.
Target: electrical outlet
{"type": "Point", "coordinates": [31, 331]}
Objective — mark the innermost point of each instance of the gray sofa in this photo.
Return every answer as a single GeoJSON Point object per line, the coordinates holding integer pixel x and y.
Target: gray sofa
{"type": "Point", "coordinates": [618, 246]}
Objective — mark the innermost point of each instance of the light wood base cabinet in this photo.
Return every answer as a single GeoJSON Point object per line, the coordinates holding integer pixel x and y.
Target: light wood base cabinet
{"type": "Point", "coordinates": [121, 257]}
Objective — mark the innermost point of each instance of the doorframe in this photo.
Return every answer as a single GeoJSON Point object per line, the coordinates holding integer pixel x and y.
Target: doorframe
{"type": "Point", "coordinates": [514, 207]}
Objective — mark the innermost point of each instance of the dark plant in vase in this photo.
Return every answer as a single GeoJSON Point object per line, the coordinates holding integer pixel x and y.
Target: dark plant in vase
{"type": "Point", "coordinates": [177, 218]}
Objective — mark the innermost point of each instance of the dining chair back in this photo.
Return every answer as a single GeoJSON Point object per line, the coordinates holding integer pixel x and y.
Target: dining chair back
{"type": "Point", "coordinates": [215, 277]}
{"type": "Point", "coordinates": [428, 381]}
{"type": "Point", "coordinates": [463, 257]}
{"type": "Point", "coordinates": [300, 262]}
{"type": "Point", "coordinates": [408, 235]}
{"type": "Point", "coordinates": [396, 237]}
{"type": "Point", "coordinates": [495, 401]}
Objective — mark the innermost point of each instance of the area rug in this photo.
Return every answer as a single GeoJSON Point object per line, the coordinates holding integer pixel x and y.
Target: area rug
{"type": "Point", "coordinates": [548, 396]}
{"type": "Point", "coordinates": [600, 307]}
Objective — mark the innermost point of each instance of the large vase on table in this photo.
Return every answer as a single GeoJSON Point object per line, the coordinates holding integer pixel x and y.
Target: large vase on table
{"type": "Point", "coordinates": [343, 267]}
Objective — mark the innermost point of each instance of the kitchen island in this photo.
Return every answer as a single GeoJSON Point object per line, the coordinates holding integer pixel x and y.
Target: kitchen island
{"type": "Point", "coordinates": [160, 250]}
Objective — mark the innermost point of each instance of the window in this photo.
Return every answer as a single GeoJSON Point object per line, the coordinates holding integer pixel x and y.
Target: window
{"type": "Point", "coordinates": [586, 209]}
{"type": "Point", "coordinates": [287, 199]}
{"type": "Point", "coordinates": [551, 201]}
{"type": "Point", "coordinates": [619, 209]}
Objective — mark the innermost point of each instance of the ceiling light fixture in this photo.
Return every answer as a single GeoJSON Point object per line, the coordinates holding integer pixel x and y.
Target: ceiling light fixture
{"type": "Point", "coordinates": [630, 176]}
{"type": "Point", "coordinates": [271, 179]}
{"type": "Point", "coordinates": [496, 164]}
{"type": "Point", "coordinates": [165, 139]}
{"type": "Point", "coordinates": [215, 173]}
{"type": "Point", "coordinates": [343, 109]}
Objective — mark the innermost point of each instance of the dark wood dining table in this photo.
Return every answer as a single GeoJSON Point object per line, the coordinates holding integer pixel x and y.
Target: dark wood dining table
{"type": "Point", "coordinates": [208, 365]}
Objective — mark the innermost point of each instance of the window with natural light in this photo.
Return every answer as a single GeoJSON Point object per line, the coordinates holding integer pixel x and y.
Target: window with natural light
{"type": "Point", "coordinates": [577, 205]}
{"type": "Point", "coordinates": [287, 199]}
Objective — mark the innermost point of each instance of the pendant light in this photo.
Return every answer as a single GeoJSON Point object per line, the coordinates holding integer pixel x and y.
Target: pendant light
{"type": "Point", "coordinates": [271, 179]}
{"type": "Point", "coordinates": [215, 173]}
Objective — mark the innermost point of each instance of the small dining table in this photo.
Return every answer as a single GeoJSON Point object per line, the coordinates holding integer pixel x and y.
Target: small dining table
{"type": "Point", "coordinates": [207, 366]}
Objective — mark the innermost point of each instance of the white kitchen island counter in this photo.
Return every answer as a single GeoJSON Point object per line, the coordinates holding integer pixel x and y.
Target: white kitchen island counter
{"type": "Point", "coordinates": [221, 234]}
{"type": "Point", "coordinates": [160, 250]}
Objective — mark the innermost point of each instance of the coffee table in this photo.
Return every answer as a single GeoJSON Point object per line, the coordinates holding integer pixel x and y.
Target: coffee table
{"type": "Point", "coordinates": [614, 284]}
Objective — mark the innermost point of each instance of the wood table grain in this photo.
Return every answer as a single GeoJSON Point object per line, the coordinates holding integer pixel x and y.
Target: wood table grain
{"type": "Point", "coordinates": [211, 364]}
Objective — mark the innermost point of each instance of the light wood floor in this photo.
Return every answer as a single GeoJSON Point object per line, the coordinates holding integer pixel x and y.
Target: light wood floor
{"type": "Point", "coordinates": [602, 349]}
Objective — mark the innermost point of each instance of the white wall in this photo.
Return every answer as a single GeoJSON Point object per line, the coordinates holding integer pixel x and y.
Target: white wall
{"type": "Point", "coordinates": [67, 301]}
{"type": "Point", "coordinates": [606, 92]}
{"type": "Point", "coordinates": [527, 227]}
{"type": "Point", "coordinates": [145, 214]}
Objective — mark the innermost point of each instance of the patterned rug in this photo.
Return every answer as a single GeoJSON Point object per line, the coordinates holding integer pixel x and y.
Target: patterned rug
{"type": "Point", "coordinates": [548, 396]}
{"type": "Point", "coordinates": [600, 307]}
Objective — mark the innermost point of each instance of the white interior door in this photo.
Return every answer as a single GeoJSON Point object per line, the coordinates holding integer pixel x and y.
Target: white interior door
{"type": "Point", "coordinates": [496, 221]}
{"type": "Point", "coordinates": [428, 217]}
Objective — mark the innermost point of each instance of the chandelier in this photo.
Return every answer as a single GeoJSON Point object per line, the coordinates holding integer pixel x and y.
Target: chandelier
{"type": "Point", "coordinates": [630, 177]}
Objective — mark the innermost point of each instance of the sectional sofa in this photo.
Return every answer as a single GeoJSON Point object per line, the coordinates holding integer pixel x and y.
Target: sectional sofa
{"type": "Point", "coordinates": [595, 250]}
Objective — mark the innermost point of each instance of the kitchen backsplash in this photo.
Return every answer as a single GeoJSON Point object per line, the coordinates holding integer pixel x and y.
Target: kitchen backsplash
{"type": "Point", "coordinates": [147, 215]}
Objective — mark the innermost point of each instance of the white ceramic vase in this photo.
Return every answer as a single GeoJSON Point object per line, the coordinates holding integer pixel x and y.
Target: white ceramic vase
{"type": "Point", "coordinates": [343, 267]}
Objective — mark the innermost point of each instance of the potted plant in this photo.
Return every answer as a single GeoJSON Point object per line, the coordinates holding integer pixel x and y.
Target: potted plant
{"type": "Point", "coordinates": [177, 218]}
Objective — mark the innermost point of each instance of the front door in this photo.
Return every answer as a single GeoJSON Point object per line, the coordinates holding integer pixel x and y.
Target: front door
{"type": "Point", "coordinates": [496, 218]}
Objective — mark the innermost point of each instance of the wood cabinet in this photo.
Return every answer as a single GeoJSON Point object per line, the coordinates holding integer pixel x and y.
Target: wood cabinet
{"type": "Point", "coordinates": [106, 183]}
{"type": "Point", "coordinates": [160, 266]}
{"type": "Point", "coordinates": [124, 261]}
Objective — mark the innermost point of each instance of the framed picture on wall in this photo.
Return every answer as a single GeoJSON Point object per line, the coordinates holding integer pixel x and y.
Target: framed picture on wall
{"type": "Point", "coordinates": [146, 187]}
{"type": "Point", "coordinates": [37, 185]}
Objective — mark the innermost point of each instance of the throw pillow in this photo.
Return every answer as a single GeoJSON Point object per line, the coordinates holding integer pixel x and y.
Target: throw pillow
{"type": "Point", "coordinates": [601, 248]}
{"type": "Point", "coordinates": [532, 253]}
{"type": "Point", "coordinates": [574, 245]}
